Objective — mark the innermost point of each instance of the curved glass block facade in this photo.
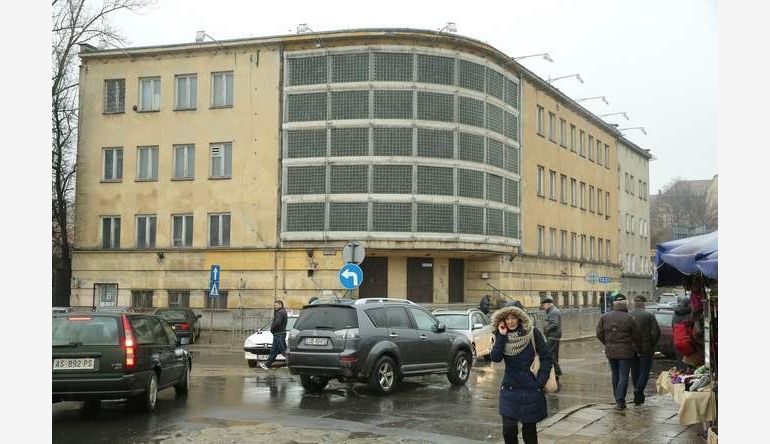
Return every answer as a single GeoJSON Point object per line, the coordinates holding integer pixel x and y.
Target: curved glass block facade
{"type": "Point", "coordinates": [399, 142]}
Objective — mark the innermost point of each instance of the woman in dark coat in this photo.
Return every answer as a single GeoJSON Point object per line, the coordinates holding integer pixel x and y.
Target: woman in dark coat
{"type": "Point", "coordinates": [521, 393]}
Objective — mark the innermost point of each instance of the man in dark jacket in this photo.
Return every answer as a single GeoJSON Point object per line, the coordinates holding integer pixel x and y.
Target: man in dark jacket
{"type": "Point", "coordinates": [484, 304]}
{"type": "Point", "coordinates": [619, 333]}
{"type": "Point", "coordinates": [552, 331]}
{"type": "Point", "coordinates": [650, 333]}
{"type": "Point", "coordinates": [278, 329]}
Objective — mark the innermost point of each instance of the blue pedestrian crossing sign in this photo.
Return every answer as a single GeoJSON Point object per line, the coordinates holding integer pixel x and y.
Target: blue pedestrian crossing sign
{"type": "Point", "coordinates": [214, 282]}
{"type": "Point", "coordinates": [351, 276]}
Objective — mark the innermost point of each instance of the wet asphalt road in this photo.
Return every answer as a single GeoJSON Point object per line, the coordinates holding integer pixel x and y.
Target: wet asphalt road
{"type": "Point", "coordinates": [225, 392]}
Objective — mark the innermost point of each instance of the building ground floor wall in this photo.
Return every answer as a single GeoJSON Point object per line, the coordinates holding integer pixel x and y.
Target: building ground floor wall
{"type": "Point", "coordinates": [255, 278]}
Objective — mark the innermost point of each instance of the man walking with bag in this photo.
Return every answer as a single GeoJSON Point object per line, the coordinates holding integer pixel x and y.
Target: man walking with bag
{"type": "Point", "coordinates": [278, 329]}
{"type": "Point", "coordinates": [552, 331]}
{"type": "Point", "coordinates": [619, 333]}
{"type": "Point", "coordinates": [650, 333]}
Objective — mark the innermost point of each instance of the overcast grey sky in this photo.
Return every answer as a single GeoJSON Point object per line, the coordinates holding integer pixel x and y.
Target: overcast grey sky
{"type": "Point", "coordinates": [654, 59]}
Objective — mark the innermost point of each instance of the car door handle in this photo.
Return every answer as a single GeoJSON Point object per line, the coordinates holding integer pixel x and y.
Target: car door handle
{"type": "Point", "coordinates": [423, 337]}
{"type": "Point", "coordinates": [393, 335]}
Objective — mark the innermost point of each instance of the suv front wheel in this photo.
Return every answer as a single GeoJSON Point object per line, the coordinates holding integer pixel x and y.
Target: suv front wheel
{"type": "Point", "coordinates": [460, 369]}
{"type": "Point", "coordinates": [313, 384]}
{"type": "Point", "coordinates": [383, 378]}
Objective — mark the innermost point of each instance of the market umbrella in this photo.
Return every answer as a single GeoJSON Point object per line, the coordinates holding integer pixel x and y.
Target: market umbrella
{"type": "Point", "coordinates": [708, 265]}
{"type": "Point", "coordinates": [678, 258]}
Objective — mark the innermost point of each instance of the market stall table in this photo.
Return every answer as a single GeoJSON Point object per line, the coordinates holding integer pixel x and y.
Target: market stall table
{"type": "Point", "coordinates": [694, 407]}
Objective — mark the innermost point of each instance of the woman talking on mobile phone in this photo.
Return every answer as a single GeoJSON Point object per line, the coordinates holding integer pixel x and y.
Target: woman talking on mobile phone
{"type": "Point", "coordinates": [522, 398]}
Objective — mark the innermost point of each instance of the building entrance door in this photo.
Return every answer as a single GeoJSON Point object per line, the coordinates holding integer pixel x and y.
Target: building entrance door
{"type": "Point", "coordinates": [375, 284]}
{"type": "Point", "coordinates": [419, 279]}
{"type": "Point", "coordinates": [456, 280]}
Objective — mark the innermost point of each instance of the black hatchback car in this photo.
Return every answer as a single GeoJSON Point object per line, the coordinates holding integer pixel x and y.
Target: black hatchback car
{"type": "Point", "coordinates": [376, 341]}
{"type": "Point", "coordinates": [98, 356]}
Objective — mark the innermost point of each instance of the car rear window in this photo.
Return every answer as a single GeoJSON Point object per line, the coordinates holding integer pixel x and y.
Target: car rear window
{"type": "Point", "coordinates": [664, 318]}
{"type": "Point", "coordinates": [173, 315]}
{"type": "Point", "coordinates": [453, 321]}
{"type": "Point", "coordinates": [327, 318]}
{"type": "Point", "coordinates": [85, 330]}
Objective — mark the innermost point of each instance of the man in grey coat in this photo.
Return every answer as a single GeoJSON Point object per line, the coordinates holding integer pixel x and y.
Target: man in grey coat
{"type": "Point", "coordinates": [552, 331]}
{"type": "Point", "coordinates": [619, 333]}
{"type": "Point", "coordinates": [650, 333]}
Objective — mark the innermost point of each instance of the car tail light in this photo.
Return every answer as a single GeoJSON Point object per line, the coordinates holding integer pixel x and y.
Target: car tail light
{"type": "Point", "coordinates": [128, 344]}
{"type": "Point", "coordinates": [349, 333]}
{"type": "Point", "coordinates": [184, 326]}
{"type": "Point", "coordinates": [348, 359]}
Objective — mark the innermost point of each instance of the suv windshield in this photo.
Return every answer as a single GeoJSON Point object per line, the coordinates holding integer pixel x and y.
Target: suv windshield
{"type": "Point", "coordinates": [85, 330]}
{"type": "Point", "coordinates": [172, 315]}
{"type": "Point", "coordinates": [327, 318]}
{"type": "Point", "coordinates": [453, 321]}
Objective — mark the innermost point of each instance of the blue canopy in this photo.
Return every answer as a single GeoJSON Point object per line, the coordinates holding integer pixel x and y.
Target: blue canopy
{"type": "Point", "coordinates": [678, 258]}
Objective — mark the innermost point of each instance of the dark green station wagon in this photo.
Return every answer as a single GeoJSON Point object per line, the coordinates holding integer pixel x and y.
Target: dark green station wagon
{"type": "Point", "coordinates": [98, 356]}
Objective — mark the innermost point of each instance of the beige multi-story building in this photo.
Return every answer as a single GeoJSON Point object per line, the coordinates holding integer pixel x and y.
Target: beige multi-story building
{"type": "Point", "coordinates": [445, 158]}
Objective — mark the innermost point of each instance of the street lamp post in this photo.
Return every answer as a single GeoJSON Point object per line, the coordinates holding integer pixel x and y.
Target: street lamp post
{"type": "Point", "coordinates": [634, 128]}
{"type": "Point", "coordinates": [545, 55]}
{"type": "Point", "coordinates": [603, 98]}
{"type": "Point", "coordinates": [622, 113]}
{"type": "Point", "coordinates": [577, 76]}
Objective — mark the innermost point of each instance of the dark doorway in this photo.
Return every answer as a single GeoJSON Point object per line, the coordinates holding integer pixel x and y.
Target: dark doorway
{"type": "Point", "coordinates": [456, 280]}
{"type": "Point", "coordinates": [419, 279]}
{"type": "Point", "coordinates": [375, 284]}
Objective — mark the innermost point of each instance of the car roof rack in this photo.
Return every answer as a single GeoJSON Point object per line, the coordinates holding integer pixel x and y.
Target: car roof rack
{"type": "Point", "coordinates": [384, 300]}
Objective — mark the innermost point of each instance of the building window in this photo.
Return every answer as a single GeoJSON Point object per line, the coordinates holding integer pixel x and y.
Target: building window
{"type": "Point", "coordinates": [573, 191]}
{"type": "Point", "coordinates": [221, 89]}
{"type": "Point", "coordinates": [184, 161]}
{"type": "Point", "coordinates": [540, 121]}
{"type": "Point", "coordinates": [217, 302]}
{"type": "Point", "coordinates": [582, 247]}
{"type": "Point", "coordinates": [110, 232]}
{"type": "Point", "coordinates": [563, 251]}
{"type": "Point", "coordinates": [591, 148]}
{"type": "Point", "coordinates": [552, 242]}
{"type": "Point", "coordinates": [626, 183]}
{"type": "Point", "coordinates": [149, 94]}
{"type": "Point", "coordinates": [147, 163]}
{"type": "Point", "coordinates": [606, 156]}
{"type": "Point", "coordinates": [114, 96]}
{"type": "Point", "coordinates": [552, 184]}
{"type": "Point", "coordinates": [640, 189]}
{"type": "Point", "coordinates": [179, 298]}
{"type": "Point", "coordinates": [186, 93]}
{"type": "Point", "coordinates": [540, 181]}
{"type": "Point", "coordinates": [606, 204]}
{"type": "Point", "coordinates": [591, 198]}
{"type": "Point", "coordinates": [145, 231]}
{"type": "Point", "coordinates": [219, 230]}
{"type": "Point", "coordinates": [599, 201]}
{"type": "Point", "coordinates": [582, 195]}
{"type": "Point", "coordinates": [540, 239]}
{"type": "Point", "coordinates": [631, 185]}
{"type": "Point", "coordinates": [591, 248]}
{"type": "Point", "coordinates": [599, 152]}
{"type": "Point", "coordinates": [563, 133]}
{"type": "Point", "coordinates": [141, 298]}
{"type": "Point", "coordinates": [563, 190]}
{"type": "Point", "coordinates": [607, 245]}
{"type": "Point", "coordinates": [113, 164]}
{"type": "Point", "coordinates": [631, 225]}
{"type": "Point", "coordinates": [221, 160]}
{"type": "Point", "coordinates": [572, 141]}
{"type": "Point", "coordinates": [107, 294]}
{"type": "Point", "coordinates": [182, 230]}
{"type": "Point", "coordinates": [552, 127]}
{"type": "Point", "coordinates": [600, 249]}
{"type": "Point", "coordinates": [581, 144]}
{"type": "Point", "coordinates": [573, 246]}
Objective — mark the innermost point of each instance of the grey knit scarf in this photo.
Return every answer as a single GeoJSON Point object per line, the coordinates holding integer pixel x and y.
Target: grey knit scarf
{"type": "Point", "coordinates": [517, 341]}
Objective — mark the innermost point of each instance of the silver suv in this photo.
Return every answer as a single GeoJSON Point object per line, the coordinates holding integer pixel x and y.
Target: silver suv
{"type": "Point", "coordinates": [375, 341]}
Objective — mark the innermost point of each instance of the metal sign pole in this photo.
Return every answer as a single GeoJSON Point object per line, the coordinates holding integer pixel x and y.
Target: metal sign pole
{"type": "Point", "coordinates": [211, 317]}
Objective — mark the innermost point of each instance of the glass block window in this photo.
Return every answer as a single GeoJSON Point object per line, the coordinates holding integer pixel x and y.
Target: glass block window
{"type": "Point", "coordinates": [511, 126]}
{"type": "Point", "coordinates": [494, 222]}
{"type": "Point", "coordinates": [393, 67]}
{"type": "Point", "coordinates": [306, 107]}
{"type": "Point", "coordinates": [350, 67]}
{"type": "Point", "coordinates": [391, 216]}
{"type": "Point", "coordinates": [435, 106]}
{"type": "Point", "coordinates": [435, 69]}
{"type": "Point", "coordinates": [392, 179]}
{"type": "Point", "coordinates": [511, 93]}
{"type": "Point", "coordinates": [307, 70]}
{"type": "Point", "coordinates": [471, 111]}
{"type": "Point", "coordinates": [512, 158]}
{"type": "Point", "coordinates": [494, 118]}
{"type": "Point", "coordinates": [305, 216]}
{"type": "Point", "coordinates": [393, 105]}
{"type": "Point", "coordinates": [348, 179]}
{"type": "Point", "coordinates": [511, 192]}
{"type": "Point", "coordinates": [350, 105]}
{"type": "Point", "coordinates": [305, 143]}
{"type": "Point", "coordinates": [495, 153]}
{"type": "Point", "coordinates": [470, 75]}
{"type": "Point", "coordinates": [349, 142]}
{"type": "Point", "coordinates": [435, 180]}
{"type": "Point", "coordinates": [470, 220]}
{"type": "Point", "coordinates": [306, 180]}
{"type": "Point", "coordinates": [495, 84]}
{"type": "Point", "coordinates": [511, 224]}
{"type": "Point", "coordinates": [470, 183]}
{"type": "Point", "coordinates": [435, 218]}
{"type": "Point", "coordinates": [471, 148]}
{"type": "Point", "coordinates": [435, 143]}
{"type": "Point", "coordinates": [393, 141]}
{"type": "Point", "coordinates": [348, 216]}
{"type": "Point", "coordinates": [494, 187]}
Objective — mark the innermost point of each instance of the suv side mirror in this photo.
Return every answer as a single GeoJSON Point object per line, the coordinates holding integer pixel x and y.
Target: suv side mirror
{"type": "Point", "coordinates": [440, 328]}
{"type": "Point", "coordinates": [478, 326]}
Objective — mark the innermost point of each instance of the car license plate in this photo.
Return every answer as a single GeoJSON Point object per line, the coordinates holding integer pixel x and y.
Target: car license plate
{"type": "Point", "coordinates": [316, 341]}
{"type": "Point", "coordinates": [73, 363]}
{"type": "Point", "coordinates": [262, 357]}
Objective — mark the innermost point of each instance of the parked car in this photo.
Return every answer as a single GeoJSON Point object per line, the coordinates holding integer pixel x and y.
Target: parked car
{"type": "Point", "coordinates": [62, 310]}
{"type": "Point", "coordinates": [257, 346]}
{"type": "Point", "coordinates": [116, 309]}
{"type": "Point", "coordinates": [665, 345]}
{"type": "Point", "coordinates": [184, 321]}
{"type": "Point", "coordinates": [98, 356]}
{"type": "Point", "coordinates": [375, 341]}
{"type": "Point", "coordinates": [474, 324]}
{"type": "Point", "coordinates": [671, 300]}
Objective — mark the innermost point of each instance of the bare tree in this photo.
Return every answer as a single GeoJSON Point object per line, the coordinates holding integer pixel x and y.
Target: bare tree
{"type": "Point", "coordinates": [75, 22]}
{"type": "Point", "coordinates": [681, 203]}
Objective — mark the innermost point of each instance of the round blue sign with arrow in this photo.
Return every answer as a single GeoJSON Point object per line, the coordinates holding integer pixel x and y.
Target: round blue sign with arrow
{"type": "Point", "coordinates": [351, 276]}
